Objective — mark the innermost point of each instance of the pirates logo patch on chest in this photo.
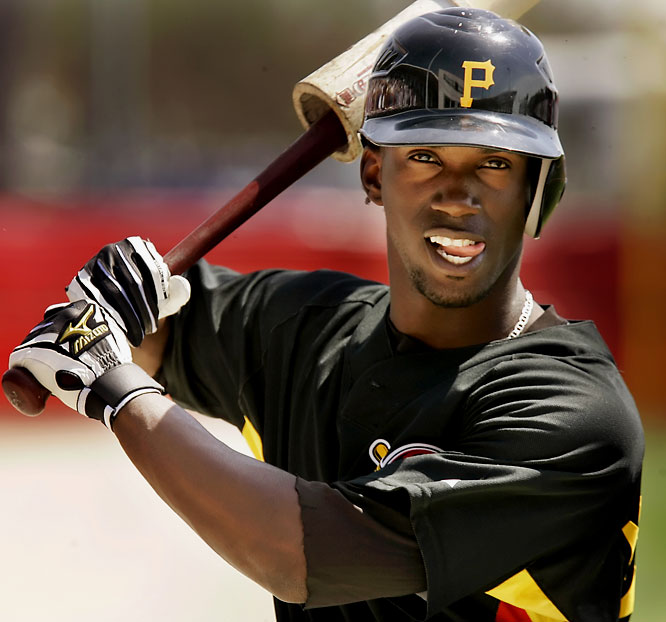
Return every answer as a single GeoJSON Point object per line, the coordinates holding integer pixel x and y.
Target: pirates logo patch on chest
{"type": "Point", "coordinates": [381, 453]}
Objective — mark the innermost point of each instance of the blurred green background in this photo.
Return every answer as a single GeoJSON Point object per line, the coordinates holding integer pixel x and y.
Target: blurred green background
{"type": "Point", "coordinates": [110, 97]}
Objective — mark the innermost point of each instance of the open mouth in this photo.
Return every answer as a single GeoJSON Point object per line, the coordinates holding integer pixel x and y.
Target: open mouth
{"type": "Point", "coordinates": [457, 251]}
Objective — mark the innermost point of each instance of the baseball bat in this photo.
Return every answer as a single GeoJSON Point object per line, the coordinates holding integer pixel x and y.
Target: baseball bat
{"type": "Point", "coordinates": [326, 135]}
{"type": "Point", "coordinates": [329, 104]}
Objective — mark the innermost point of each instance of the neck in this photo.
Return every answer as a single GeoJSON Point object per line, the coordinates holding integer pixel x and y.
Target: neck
{"type": "Point", "coordinates": [492, 318]}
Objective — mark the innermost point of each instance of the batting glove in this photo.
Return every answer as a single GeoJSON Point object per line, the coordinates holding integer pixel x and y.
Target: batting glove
{"type": "Point", "coordinates": [81, 356]}
{"type": "Point", "coordinates": [130, 280]}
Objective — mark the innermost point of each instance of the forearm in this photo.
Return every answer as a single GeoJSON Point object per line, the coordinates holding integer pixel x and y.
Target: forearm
{"type": "Point", "coordinates": [247, 511]}
{"type": "Point", "coordinates": [150, 353]}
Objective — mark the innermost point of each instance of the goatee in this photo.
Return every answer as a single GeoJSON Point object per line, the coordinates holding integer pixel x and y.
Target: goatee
{"type": "Point", "coordinates": [445, 299]}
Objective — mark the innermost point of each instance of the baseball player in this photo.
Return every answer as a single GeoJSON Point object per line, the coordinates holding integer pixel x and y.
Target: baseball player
{"type": "Point", "coordinates": [444, 448]}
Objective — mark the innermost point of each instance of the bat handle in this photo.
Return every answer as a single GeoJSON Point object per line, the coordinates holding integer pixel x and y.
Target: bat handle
{"type": "Point", "coordinates": [24, 392]}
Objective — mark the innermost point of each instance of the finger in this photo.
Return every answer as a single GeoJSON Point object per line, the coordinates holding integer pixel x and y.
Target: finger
{"type": "Point", "coordinates": [179, 294]}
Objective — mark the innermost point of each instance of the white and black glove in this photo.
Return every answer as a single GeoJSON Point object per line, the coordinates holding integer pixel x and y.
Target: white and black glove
{"type": "Point", "coordinates": [133, 283]}
{"type": "Point", "coordinates": [81, 356]}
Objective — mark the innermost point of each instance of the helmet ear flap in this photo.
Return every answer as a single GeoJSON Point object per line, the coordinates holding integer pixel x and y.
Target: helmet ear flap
{"type": "Point", "coordinates": [546, 194]}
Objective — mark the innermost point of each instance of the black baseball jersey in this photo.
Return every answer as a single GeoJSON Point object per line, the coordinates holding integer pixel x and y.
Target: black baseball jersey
{"type": "Point", "coordinates": [514, 464]}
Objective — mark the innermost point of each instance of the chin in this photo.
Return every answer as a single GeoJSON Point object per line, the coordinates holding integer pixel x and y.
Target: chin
{"type": "Point", "coordinates": [455, 297]}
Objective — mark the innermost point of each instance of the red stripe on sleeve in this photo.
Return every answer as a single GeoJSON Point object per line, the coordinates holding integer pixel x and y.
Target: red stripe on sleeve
{"type": "Point", "coordinates": [509, 613]}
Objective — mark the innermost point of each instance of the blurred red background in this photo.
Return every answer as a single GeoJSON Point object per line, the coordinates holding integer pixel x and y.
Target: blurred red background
{"type": "Point", "coordinates": [576, 266]}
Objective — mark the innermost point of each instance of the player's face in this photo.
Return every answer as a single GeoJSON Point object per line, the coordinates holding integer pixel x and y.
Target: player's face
{"type": "Point", "coordinates": [455, 218]}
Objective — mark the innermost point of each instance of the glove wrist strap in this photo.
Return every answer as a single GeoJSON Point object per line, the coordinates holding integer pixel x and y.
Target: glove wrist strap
{"type": "Point", "coordinates": [115, 389]}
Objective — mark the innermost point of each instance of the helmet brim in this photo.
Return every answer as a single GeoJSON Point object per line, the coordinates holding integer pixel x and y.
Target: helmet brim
{"type": "Point", "coordinates": [457, 127]}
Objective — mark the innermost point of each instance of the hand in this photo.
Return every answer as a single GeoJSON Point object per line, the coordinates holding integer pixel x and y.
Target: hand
{"type": "Point", "coordinates": [80, 354]}
{"type": "Point", "coordinates": [130, 280]}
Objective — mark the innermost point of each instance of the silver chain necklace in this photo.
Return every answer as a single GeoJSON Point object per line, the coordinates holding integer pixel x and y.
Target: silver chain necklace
{"type": "Point", "coordinates": [524, 316]}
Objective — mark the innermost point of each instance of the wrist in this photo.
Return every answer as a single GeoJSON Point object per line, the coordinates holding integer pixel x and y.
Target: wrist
{"type": "Point", "coordinates": [116, 388]}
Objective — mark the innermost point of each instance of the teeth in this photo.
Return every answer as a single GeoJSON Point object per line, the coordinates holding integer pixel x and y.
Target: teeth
{"type": "Point", "coordinates": [444, 241]}
{"type": "Point", "coordinates": [453, 258]}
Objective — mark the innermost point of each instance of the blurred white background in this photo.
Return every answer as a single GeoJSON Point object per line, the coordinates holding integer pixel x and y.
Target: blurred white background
{"type": "Point", "coordinates": [83, 537]}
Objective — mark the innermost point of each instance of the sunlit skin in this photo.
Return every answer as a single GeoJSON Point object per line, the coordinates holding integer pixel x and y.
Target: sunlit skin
{"type": "Point", "coordinates": [456, 193]}
{"type": "Point", "coordinates": [451, 192]}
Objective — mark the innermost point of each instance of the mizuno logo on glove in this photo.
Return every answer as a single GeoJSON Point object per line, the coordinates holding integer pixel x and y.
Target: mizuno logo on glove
{"type": "Point", "coordinates": [82, 356]}
{"type": "Point", "coordinates": [81, 334]}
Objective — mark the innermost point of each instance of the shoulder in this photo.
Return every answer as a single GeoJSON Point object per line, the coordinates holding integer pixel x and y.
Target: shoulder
{"type": "Point", "coordinates": [271, 297]}
{"type": "Point", "coordinates": [545, 356]}
{"type": "Point", "coordinates": [322, 288]}
{"type": "Point", "coordinates": [561, 388]}
{"type": "Point", "coordinates": [572, 359]}
{"type": "Point", "coordinates": [319, 286]}
{"type": "Point", "coordinates": [575, 343]}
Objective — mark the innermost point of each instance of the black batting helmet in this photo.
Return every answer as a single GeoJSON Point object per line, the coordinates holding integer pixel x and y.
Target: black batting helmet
{"type": "Point", "coordinates": [469, 77]}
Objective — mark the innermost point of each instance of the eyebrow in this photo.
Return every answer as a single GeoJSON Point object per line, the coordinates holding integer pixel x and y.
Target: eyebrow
{"type": "Point", "coordinates": [484, 150]}
{"type": "Point", "coordinates": [492, 150]}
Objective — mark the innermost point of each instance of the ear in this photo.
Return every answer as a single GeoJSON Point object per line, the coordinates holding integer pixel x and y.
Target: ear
{"type": "Point", "coordinates": [371, 174]}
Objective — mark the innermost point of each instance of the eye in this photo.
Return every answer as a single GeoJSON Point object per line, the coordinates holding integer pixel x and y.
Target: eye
{"type": "Point", "coordinates": [424, 156]}
{"type": "Point", "coordinates": [496, 163]}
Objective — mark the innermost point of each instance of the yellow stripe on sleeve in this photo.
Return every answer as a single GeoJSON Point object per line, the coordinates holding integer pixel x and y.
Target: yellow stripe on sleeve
{"type": "Point", "coordinates": [522, 591]}
{"type": "Point", "coordinates": [627, 602]}
{"type": "Point", "coordinates": [253, 439]}
{"type": "Point", "coordinates": [535, 617]}
{"type": "Point", "coordinates": [630, 531]}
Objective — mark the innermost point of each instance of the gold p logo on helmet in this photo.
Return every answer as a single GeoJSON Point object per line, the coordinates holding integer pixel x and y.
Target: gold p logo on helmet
{"type": "Point", "coordinates": [469, 66]}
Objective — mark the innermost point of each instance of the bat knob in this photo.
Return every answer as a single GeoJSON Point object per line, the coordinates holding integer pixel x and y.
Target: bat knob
{"type": "Point", "coordinates": [24, 392]}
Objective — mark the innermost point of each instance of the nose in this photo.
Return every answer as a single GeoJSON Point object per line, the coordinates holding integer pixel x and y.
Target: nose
{"type": "Point", "coordinates": [453, 196]}
{"type": "Point", "coordinates": [455, 209]}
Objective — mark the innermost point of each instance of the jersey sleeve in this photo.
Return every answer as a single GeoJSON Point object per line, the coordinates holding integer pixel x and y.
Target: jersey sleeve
{"type": "Point", "coordinates": [216, 341]}
{"type": "Point", "coordinates": [352, 557]}
{"type": "Point", "coordinates": [535, 500]}
{"type": "Point", "coordinates": [232, 348]}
